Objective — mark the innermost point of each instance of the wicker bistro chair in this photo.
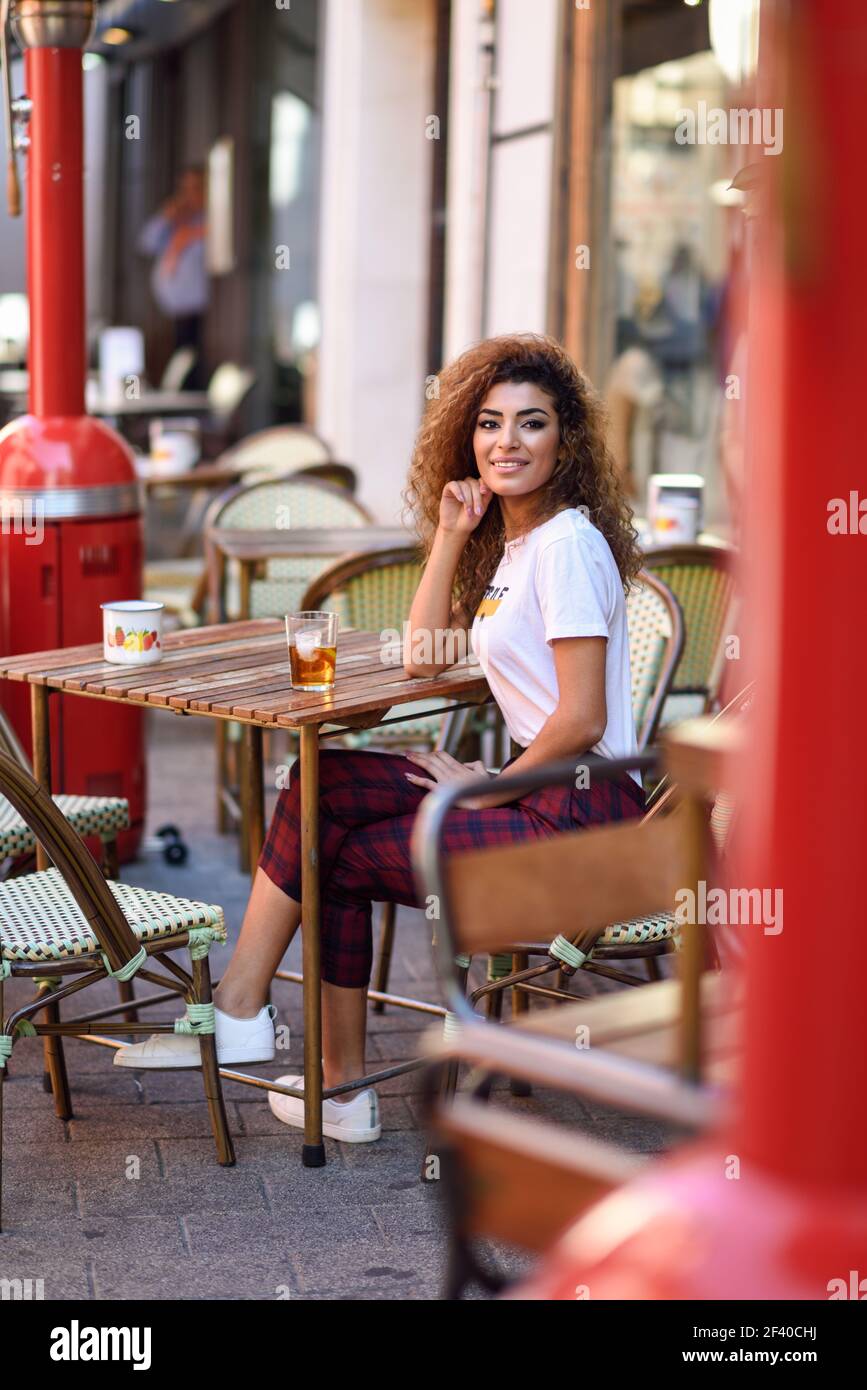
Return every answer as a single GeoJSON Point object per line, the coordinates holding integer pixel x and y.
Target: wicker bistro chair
{"type": "Point", "coordinates": [279, 447]}
{"type": "Point", "coordinates": [655, 646]}
{"type": "Point", "coordinates": [261, 505]}
{"type": "Point", "coordinates": [181, 583]}
{"type": "Point", "coordinates": [702, 579]}
{"type": "Point", "coordinates": [374, 592]}
{"type": "Point", "coordinates": [646, 937]}
{"type": "Point", "coordinates": [71, 922]}
{"type": "Point", "coordinates": [100, 816]}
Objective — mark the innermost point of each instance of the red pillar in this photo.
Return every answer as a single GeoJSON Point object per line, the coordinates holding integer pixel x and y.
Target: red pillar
{"type": "Point", "coordinates": [795, 1220]}
{"type": "Point", "coordinates": [55, 245]}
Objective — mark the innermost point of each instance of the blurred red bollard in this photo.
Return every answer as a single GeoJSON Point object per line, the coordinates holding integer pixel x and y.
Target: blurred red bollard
{"type": "Point", "coordinates": [775, 1205]}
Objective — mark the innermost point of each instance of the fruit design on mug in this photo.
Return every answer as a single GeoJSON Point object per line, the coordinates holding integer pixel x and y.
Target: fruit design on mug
{"type": "Point", "coordinates": [137, 640]}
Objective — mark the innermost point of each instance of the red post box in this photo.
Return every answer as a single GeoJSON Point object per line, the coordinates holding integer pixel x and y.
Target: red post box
{"type": "Point", "coordinates": [71, 535]}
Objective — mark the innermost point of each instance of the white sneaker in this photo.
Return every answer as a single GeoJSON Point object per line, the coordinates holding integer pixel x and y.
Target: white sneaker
{"type": "Point", "coordinates": [238, 1040]}
{"type": "Point", "coordinates": [356, 1122]}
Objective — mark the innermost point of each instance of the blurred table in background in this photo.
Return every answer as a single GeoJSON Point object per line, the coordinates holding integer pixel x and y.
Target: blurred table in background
{"type": "Point", "coordinates": [253, 548]}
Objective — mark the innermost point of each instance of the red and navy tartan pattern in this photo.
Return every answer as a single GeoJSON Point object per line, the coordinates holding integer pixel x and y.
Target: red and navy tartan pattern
{"type": "Point", "coordinates": [366, 814]}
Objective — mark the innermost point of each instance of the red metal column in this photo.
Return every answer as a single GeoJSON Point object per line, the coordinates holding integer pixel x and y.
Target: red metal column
{"type": "Point", "coordinates": [71, 475]}
{"type": "Point", "coordinates": [788, 1219]}
{"type": "Point", "coordinates": [55, 244]}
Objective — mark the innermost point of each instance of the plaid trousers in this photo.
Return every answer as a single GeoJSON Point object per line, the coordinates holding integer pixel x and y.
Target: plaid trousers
{"type": "Point", "coordinates": [366, 814]}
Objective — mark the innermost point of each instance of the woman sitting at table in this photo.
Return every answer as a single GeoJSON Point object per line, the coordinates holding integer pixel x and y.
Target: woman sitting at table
{"type": "Point", "coordinates": [529, 548]}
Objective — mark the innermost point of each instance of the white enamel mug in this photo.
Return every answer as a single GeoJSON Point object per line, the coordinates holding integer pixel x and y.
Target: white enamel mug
{"type": "Point", "coordinates": [132, 632]}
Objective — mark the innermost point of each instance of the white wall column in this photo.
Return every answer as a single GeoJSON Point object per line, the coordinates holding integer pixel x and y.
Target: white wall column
{"type": "Point", "coordinates": [373, 241]}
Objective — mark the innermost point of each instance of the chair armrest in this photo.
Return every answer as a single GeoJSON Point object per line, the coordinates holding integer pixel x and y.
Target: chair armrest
{"type": "Point", "coordinates": [428, 833]}
{"type": "Point", "coordinates": [597, 1074]}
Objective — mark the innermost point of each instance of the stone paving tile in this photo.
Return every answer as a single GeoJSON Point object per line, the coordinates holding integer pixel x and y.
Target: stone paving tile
{"type": "Point", "coordinates": [26, 1201]}
{"type": "Point", "coordinates": [397, 1158]}
{"type": "Point", "coordinates": [62, 1278]}
{"type": "Point", "coordinates": [354, 1268]}
{"type": "Point", "coordinates": [262, 1154]}
{"type": "Point", "coordinates": [305, 1224]}
{"type": "Point", "coordinates": [82, 1238]}
{"type": "Point", "coordinates": [199, 1189]}
{"type": "Point", "coordinates": [81, 1159]}
{"type": "Point", "coordinates": [339, 1187]}
{"type": "Point", "coordinates": [425, 1217]}
{"type": "Point", "coordinates": [144, 1121]}
{"type": "Point", "coordinates": [90, 1090]}
{"type": "Point", "coordinates": [254, 1277]}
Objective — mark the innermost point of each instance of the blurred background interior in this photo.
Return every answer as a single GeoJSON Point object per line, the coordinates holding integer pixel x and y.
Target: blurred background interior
{"type": "Point", "coordinates": [381, 182]}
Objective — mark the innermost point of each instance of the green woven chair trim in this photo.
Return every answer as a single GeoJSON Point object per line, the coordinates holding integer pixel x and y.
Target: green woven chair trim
{"type": "Point", "coordinates": [379, 599]}
{"type": "Point", "coordinates": [127, 971]}
{"type": "Point", "coordinates": [462, 961]}
{"type": "Point", "coordinates": [563, 950]}
{"type": "Point", "coordinates": [705, 595]}
{"type": "Point", "coordinates": [199, 1019]}
{"type": "Point", "coordinates": [5, 969]}
{"type": "Point", "coordinates": [640, 930]}
{"type": "Point", "coordinates": [499, 966]}
{"type": "Point", "coordinates": [24, 1029]}
{"type": "Point", "coordinates": [103, 816]}
{"type": "Point", "coordinates": [451, 1027]}
{"type": "Point", "coordinates": [201, 939]}
{"type": "Point", "coordinates": [40, 920]}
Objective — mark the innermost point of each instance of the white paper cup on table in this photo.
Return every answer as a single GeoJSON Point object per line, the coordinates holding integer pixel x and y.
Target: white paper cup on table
{"type": "Point", "coordinates": [674, 507]}
{"type": "Point", "coordinates": [676, 520]}
{"type": "Point", "coordinates": [132, 631]}
{"type": "Point", "coordinates": [175, 445]}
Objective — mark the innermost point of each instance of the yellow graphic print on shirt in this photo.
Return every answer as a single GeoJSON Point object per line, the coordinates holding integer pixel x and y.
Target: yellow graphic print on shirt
{"type": "Point", "coordinates": [491, 600]}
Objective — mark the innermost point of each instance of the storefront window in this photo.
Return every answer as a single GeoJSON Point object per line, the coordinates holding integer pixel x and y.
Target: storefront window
{"type": "Point", "coordinates": [293, 189]}
{"type": "Point", "coordinates": [670, 227]}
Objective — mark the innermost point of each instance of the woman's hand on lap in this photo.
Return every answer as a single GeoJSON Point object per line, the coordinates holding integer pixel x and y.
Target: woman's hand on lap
{"type": "Point", "coordinates": [443, 770]}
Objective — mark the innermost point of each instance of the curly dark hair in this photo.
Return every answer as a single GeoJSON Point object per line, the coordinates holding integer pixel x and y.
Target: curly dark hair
{"type": "Point", "coordinates": [585, 474]}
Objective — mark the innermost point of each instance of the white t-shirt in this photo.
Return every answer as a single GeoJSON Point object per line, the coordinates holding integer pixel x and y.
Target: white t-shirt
{"type": "Point", "coordinates": [560, 580]}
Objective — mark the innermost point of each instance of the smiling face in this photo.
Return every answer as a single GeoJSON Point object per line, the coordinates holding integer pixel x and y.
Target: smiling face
{"type": "Point", "coordinates": [516, 439]}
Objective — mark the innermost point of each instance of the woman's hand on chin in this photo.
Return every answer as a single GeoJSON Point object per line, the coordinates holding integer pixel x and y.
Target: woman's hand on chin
{"type": "Point", "coordinates": [442, 770]}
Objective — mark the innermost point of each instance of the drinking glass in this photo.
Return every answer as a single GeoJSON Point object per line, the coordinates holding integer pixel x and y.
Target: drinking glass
{"type": "Point", "coordinates": [312, 640]}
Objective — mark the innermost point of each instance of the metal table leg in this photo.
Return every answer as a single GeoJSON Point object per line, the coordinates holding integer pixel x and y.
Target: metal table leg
{"type": "Point", "coordinates": [252, 793]}
{"type": "Point", "coordinates": [313, 1153]}
{"type": "Point", "coordinates": [54, 1066]}
{"type": "Point", "coordinates": [41, 750]}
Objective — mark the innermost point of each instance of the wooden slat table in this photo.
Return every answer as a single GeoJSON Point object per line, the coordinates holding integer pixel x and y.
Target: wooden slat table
{"type": "Point", "coordinates": [204, 475]}
{"type": "Point", "coordinates": [252, 547]}
{"type": "Point", "coordinates": [240, 671]}
{"type": "Point", "coordinates": [153, 402]}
